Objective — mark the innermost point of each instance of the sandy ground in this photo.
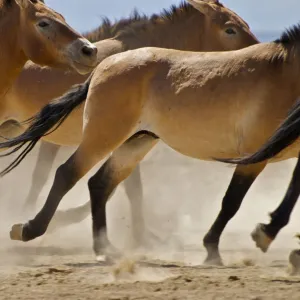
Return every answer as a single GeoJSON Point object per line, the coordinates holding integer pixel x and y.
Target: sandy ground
{"type": "Point", "coordinates": [56, 273]}
{"type": "Point", "coordinates": [182, 198]}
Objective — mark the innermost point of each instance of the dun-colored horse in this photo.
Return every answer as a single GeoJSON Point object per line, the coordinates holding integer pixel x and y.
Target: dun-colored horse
{"type": "Point", "coordinates": [202, 26]}
{"type": "Point", "coordinates": [31, 30]}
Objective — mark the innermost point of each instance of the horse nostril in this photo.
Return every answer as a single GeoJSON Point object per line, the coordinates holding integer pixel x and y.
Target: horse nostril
{"type": "Point", "coordinates": [88, 51]}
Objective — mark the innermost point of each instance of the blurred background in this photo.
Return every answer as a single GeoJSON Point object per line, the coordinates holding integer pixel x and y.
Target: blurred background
{"type": "Point", "coordinates": [182, 195]}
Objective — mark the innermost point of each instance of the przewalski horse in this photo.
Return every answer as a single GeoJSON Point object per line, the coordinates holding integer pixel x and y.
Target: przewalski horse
{"type": "Point", "coordinates": [198, 26]}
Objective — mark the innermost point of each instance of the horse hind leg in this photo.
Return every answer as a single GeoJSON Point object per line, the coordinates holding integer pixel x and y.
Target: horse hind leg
{"type": "Point", "coordinates": [116, 169]}
{"type": "Point", "coordinates": [44, 163]}
{"type": "Point", "coordinates": [240, 183]}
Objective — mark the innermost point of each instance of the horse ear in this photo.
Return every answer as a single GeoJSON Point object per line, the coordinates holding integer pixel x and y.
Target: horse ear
{"type": "Point", "coordinates": [22, 3]}
{"type": "Point", "coordinates": [204, 6]}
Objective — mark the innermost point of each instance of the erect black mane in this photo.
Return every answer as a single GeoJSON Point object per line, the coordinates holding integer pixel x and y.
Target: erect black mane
{"type": "Point", "coordinates": [290, 36]}
{"type": "Point", "coordinates": [109, 29]}
{"type": "Point", "coordinates": [173, 12]}
{"type": "Point", "coordinates": [137, 21]}
{"type": "Point", "coordinates": [288, 41]}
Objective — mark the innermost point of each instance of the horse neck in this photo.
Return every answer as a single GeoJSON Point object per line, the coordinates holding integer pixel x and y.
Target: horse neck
{"type": "Point", "coordinates": [12, 58]}
{"type": "Point", "coordinates": [186, 32]}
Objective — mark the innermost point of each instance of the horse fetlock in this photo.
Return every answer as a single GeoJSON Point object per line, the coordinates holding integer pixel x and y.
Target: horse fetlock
{"type": "Point", "coordinates": [261, 238]}
{"type": "Point", "coordinates": [281, 222]}
{"type": "Point", "coordinates": [100, 243]}
{"type": "Point", "coordinates": [32, 230]}
{"type": "Point", "coordinates": [278, 220]}
{"type": "Point", "coordinates": [98, 247]}
{"type": "Point", "coordinates": [211, 241]}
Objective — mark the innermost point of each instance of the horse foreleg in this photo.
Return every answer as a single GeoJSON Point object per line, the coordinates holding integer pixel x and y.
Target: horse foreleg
{"type": "Point", "coordinates": [65, 178]}
{"type": "Point", "coordinates": [241, 181]}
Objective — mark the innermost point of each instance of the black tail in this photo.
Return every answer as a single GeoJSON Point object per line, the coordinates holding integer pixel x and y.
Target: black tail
{"type": "Point", "coordinates": [45, 122]}
{"type": "Point", "coordinates": [287, 133]}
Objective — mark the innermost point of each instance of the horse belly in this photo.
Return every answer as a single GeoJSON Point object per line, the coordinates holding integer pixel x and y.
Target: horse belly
{"type": "Point", "coordinates": [200, 146]}
{"type": "Point", "coordinates": [198, 134]}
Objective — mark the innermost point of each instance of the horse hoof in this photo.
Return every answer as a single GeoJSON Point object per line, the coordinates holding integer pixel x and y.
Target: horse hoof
{"type": "Point", "coordinates": [217, 261]}
{"type": "Point", "coordinates": [101, 258]}
{"type": "Point", "coordinates": [213, 262]}
{"type": "Point", "coordinates": [294, 262]}
{"type": "Point", "coordinates": [261, 239]}
{"type": "Point", "coordinates": [105, 260]}
{"type": "Point", "coordinates": [107, 255]}
{"type": "Point", "coordinates": [16, 232]}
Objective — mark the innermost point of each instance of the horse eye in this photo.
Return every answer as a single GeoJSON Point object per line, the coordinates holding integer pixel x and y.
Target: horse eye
{"type": "Point", "coordinates": [230, 31]}
{"type": "Point", "coordinates": [43, 24]}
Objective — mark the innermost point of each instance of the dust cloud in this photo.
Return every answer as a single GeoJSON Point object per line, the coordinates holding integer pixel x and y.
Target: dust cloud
{"type": "Point", "coordinates": [182, 197]}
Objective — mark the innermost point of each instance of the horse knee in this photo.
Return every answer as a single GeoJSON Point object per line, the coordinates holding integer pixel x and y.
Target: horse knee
{"type": "Point", "coordinates": [102, 178]}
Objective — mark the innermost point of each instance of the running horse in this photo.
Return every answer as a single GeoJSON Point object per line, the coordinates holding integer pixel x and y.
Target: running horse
{"type": "Point", "coordinates": [194, 25]}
